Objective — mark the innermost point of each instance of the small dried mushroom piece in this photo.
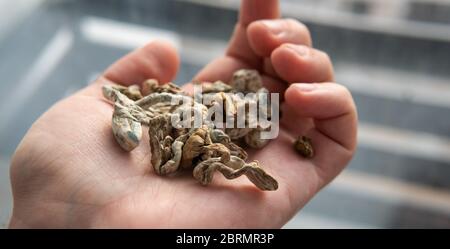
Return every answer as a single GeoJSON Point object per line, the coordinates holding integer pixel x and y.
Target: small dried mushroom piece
{"type": "Point", "coordinates": [215, 87]}
{"type": "Point", "coordinates": [234, 168]}
{"type": "Point", "coordinates": [153, 86]}
{"type": "Point", "coordinates": [245, 80]}
{"type": "Point", "coordinates": [133, 92]}
{"type": "Point", "coordinates": [219, 136]}
{"type": "Point", "coordinates": [303, 145]}
{"type": "Point", "coordinates": [127, 129]}
{"type": "Point", "coordinates": [193, 146]}
{"type": "Point", "coordinates": [165, 157]}
{"type": "Point", "coordinates": [254, 140]}
{"type": "Point", "coordinates": [127, 119]}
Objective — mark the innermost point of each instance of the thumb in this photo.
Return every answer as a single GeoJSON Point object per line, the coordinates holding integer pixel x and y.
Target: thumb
{"type": "Point", "coordinates": [158, 60]}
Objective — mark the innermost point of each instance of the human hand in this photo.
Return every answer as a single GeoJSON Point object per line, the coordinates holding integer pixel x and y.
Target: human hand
{"type": "Point", "coordinates": [69, 171]}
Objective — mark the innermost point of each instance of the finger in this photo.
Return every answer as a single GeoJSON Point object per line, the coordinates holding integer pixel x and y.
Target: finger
{"type": "Point", "coordinates": [299, 63]}
{"type": "Point", "coordinates": [266, 35]}
{"type": "Point", "coordinates": [239, 53]}
{"type": "Point", "coordinates": [250, 11]}
{"type": "Point", "coordinates": [158, 60]}
{"type": "Point", "coordinates": [330, 106]}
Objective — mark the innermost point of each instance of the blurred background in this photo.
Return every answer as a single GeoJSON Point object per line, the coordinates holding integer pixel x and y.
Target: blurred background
{"type": "Point", "coordinates": [393, 55]}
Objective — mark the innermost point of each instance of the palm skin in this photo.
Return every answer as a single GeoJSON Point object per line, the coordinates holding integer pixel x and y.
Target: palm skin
{"type": "Point", "coordinates": [69, 171]}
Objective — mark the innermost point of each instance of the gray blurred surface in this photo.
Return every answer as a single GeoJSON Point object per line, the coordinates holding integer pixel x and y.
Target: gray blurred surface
{"type": "Point", "coordinates": [400, 176]}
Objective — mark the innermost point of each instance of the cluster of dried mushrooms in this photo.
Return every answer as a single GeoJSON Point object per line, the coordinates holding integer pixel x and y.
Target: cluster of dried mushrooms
{"type": "Point", "coordinates": [206, 148]}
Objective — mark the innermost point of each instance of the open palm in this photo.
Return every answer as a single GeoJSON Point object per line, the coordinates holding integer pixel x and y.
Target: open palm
{"type": "Point", "coordinates": [69, 171]}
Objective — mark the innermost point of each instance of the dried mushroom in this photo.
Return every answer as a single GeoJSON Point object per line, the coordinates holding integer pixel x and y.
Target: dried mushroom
{"type": "Point", "coordinates": [208, 148]}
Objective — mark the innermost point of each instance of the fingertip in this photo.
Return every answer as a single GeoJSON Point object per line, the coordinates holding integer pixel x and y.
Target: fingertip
{"type": "Point", "coordinates": [252, 10]}
{"type": "Point", "coordinates": [300, 63]}
{"type": "Point", "coordinates": [296, 94]}
{"type": "Point", "coordinates": [266, 35]}
{"type": "Point", "coordinates": [289, 59]}
{"type": "Point", "coordinates": [165, 58]}
{"type": "Point", "coordinates": [316, 100]}
{"type": "Point", "coordinates": [320, 100]}
{"type": "Point", "coordinates": [261, 39]}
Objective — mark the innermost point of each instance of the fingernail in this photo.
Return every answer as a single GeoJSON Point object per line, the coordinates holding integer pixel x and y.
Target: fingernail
{"type": "Point", "coordinates": [305, 87]}
{"type": "Point", "coordinates": [299, 49]}
{"type": "Point", "coordinates": [275, 26]}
